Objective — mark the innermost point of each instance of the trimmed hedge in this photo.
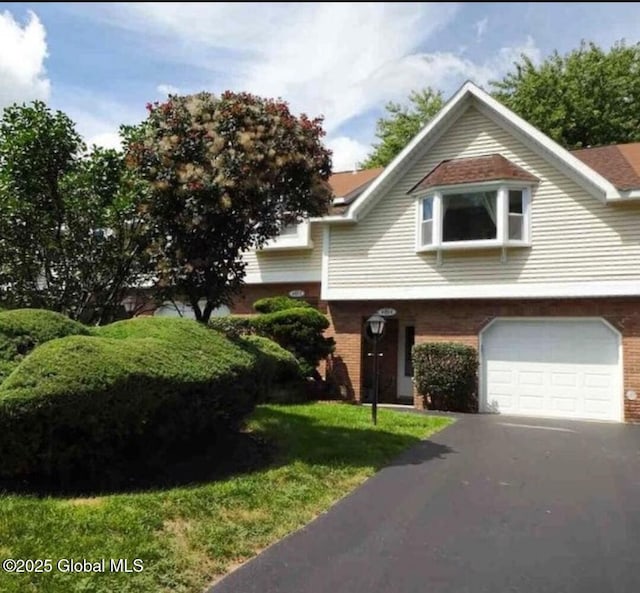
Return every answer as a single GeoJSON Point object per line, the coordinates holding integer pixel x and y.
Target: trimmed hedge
{"type": "Point", "coordinates": [78, 403]}
{"type": "Point", "coordinates": [279, 303]}
{"type": "Point", "coordinates": [280, 377]}
{"type": "Point", "coordinates": [232, 326]}
{"type": "Point", "coordinates": [300, 331]}
{"type": "Point", "coordinates": [446, 373]}
{"type": "Point", "coordinates": [21, 330]}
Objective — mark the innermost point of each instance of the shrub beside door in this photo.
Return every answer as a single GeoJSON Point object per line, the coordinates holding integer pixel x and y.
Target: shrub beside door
{"type": "Point", "coordinates": [446, 374]}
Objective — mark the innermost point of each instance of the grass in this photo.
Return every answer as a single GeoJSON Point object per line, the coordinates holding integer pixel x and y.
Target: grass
{"type": "Point", "coordinates": [189, 535]}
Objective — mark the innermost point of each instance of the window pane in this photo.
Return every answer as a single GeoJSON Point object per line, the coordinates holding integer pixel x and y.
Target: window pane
{"type": "Point", "coordinates": [427, 209]}
{"type": "Point", "coordinates": [288, 230]}
{"type": "Point", "coordinates": [427, 232]}
{"type": "Point", "coordinates": [515, 227]}
{"type": "Point", "coordinates": [515, 201]}
{"type": "Point", "coordinates": [409, 340]}
{"type": "Point", "coordinates": [469, 217]}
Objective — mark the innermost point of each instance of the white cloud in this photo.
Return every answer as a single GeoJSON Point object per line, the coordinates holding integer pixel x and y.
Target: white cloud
{"type": "Point", "coordinates": [324, 58]}
{"type": "Point", "coordinates": [481, 28]}
{"type": "Point", "coordinates": [341, 60]}
{"type": "Point", "coordinates": [97, 118]}
{"type": "Point", "coordinates": [167, 89]}
{"type": "Point", "coordinates": [447, 70]}
{"type": "Point", "coordinates": [23, 50]}
{"type": "Point", "coordinates": [106, 140]}
{"type": "Point", "coordinates": [347, 152]}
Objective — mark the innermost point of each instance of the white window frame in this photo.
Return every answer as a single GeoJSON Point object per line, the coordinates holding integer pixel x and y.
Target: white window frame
{"type": "Point", "coordinates": [502, 189]}
{"type": "Point", "coordinates": [301, 239]}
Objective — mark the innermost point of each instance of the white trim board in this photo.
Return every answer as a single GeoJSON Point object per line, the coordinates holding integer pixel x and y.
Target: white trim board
{"type": "Point", "coordinates": [279, 277]}
{"type": "Point", "coordinates": [487, 291]}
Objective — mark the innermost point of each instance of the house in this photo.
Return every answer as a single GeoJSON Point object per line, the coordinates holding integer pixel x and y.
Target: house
{"type": "Point", "coordinates": [482, 231]}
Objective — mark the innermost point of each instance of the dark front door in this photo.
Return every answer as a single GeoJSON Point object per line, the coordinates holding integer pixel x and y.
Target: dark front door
{"type": "Point", "coordinates": [387, 364]}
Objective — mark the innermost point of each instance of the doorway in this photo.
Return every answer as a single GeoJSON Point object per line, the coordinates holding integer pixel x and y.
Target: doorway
{"type": "Point", "coordinates": [406, 340]}
{"type": "Point", "coordinates": [387, 363]}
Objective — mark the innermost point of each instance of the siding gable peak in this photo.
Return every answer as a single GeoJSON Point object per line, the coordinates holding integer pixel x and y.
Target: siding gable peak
{"type": "Point", "coordinates": [470, 94]}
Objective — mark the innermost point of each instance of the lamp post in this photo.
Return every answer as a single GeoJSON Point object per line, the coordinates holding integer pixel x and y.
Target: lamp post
{"type": "Point", "coordinates": [375, 324]}
{"type": "Point", "coordinates": [130, 303]}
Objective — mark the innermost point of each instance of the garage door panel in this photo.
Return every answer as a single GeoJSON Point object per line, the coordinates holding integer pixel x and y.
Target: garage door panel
{"type": "Point", "coordinates": [602, 380]}
{"type": "Point", "coordinates": [552, 368]}
{"type": "Point", "coordinates": [530, 377]}
{"type": "Point", "coordinates": [564, 379]}
{"type": "Point", "coordinates": [564, 404]}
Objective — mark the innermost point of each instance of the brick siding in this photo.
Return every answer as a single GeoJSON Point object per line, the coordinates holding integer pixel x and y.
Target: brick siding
{"type": "Point", "coordinates": [462, 321]}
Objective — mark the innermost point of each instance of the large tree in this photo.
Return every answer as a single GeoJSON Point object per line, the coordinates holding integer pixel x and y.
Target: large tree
{"type": "Point", "coordinates": [401, 123]}
{"type": "Point", "coordinates": [588, 97]}
{"type": "Point", "coordinates": [68, 222]}
{"type": "Point", "coordinates": [226, 174]}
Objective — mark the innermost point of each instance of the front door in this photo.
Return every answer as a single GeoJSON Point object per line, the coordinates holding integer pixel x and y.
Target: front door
{"type": "Point", "coordinates": [406, 339]}
{"type": "Point", "coordinates": [387, 363]}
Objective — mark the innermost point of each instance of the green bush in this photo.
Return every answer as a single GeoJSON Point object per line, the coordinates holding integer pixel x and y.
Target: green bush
{"type": "Point", "coordinates": [232, 326]}
{"type": "Point", "coordinates": [446, 373]}
{"type": "Point", "coordinates": [278, 372]}
{"type": "Point", "coordinates": [301, 332]}
{"type": "Point", "coordinates": [21, 330]}
{"type": "Point", "coordinates": [278, 303]}
{"type": "Point", "coordinates": [78, 403]}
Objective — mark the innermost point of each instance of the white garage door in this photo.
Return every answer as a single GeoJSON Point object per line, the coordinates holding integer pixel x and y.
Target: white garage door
{"type": "Point", "coordinates": [562, 368]}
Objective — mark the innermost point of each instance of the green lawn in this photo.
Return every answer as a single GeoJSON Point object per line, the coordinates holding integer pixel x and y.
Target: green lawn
{"type": "Point", "coordinates": [189, 535]}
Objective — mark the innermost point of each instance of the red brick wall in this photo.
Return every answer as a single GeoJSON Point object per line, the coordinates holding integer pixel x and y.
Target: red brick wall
{"type": "Point", "coordinates": [461, 321]}
{"type": "Point", "coordinates": [243, 303]}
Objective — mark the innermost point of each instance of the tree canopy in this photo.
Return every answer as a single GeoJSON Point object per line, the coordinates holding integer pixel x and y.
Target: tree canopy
{"type": "Point", "coordinates": [588, 97]}
{"type": "Point", "coordinates": [226, 174]}
{"type": "Point", "coordinates": [401, 123]}
{"type": "Point", "coordinates": [68, 230]}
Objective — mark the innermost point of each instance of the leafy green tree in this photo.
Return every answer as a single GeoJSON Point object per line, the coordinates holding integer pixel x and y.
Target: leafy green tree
{"type": "Point", "coordinates": [104, 245]}
{"type": "Point", "coordinates": [588, 97]}
{"type": "Point", "coordinates": [401, 123]}
{"type": "Point", "coordinates": [226, 173]}
{"type": "Point", "coordinates": [68, 230]}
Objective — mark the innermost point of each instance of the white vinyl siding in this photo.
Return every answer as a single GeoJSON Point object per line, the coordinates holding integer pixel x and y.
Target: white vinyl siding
{"type": "Point", "coordinates": [287, 265]}
{"type": "Point", "coordinates": [574, 237]}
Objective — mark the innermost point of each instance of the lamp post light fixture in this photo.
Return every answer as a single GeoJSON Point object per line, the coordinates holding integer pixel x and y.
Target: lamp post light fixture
{"type": "Point", "coordinates": [375, 324]}
{"type": "Point", "coordinates": [130, 304]}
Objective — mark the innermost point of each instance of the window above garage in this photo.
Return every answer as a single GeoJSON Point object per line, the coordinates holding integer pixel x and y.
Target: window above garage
{"type": "Point", "coordinates": [474, 217]}
{"type": "Point", "coordinates": [474, 203]}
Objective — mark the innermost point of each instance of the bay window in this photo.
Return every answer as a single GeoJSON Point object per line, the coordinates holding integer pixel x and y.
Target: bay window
{"type": "Point", "coordinates": [496, 215]}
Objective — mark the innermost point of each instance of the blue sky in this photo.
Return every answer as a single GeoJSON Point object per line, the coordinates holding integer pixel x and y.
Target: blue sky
{"type": "Point", "coordinates": [101, 63]}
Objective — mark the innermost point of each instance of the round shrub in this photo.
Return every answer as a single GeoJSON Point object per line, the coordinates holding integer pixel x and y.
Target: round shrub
{"type": "Point", "coordinates": [446, 374]}
{"type": "Point", "coordinates": [301, 332]}
{"type": "Point", "coordinates": [278, 372]}
{"type": "Point", "coordinates": [78, 403]}
{"type": "Point", "coordinates": [278, 303]}
{"type": "Point", "coordinates": [21, 330]}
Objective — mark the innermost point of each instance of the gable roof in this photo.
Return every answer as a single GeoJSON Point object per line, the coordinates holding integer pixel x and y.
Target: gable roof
{"type": "Point", "coordinates": [344, 183]}
{"type": "Point", "coordinates": [492, 167]}
{"type": "Point", "coordinates": [348, 185]}
{"type": "Point", "coordinates": [590, 179]}
{"type": "Point", "coordinates": [619, 163]}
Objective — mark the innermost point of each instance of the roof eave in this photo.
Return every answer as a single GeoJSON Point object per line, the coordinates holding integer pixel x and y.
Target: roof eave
{"type": "Point", "coordinates": [625, 195]}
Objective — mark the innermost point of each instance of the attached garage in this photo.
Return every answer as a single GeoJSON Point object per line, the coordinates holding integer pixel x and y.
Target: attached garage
{"type": "Point", "coordinates": [566, 368]}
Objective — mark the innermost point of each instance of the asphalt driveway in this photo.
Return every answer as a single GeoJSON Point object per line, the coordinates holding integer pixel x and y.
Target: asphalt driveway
{"type": "Point", "coordinates": [491, 504]}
